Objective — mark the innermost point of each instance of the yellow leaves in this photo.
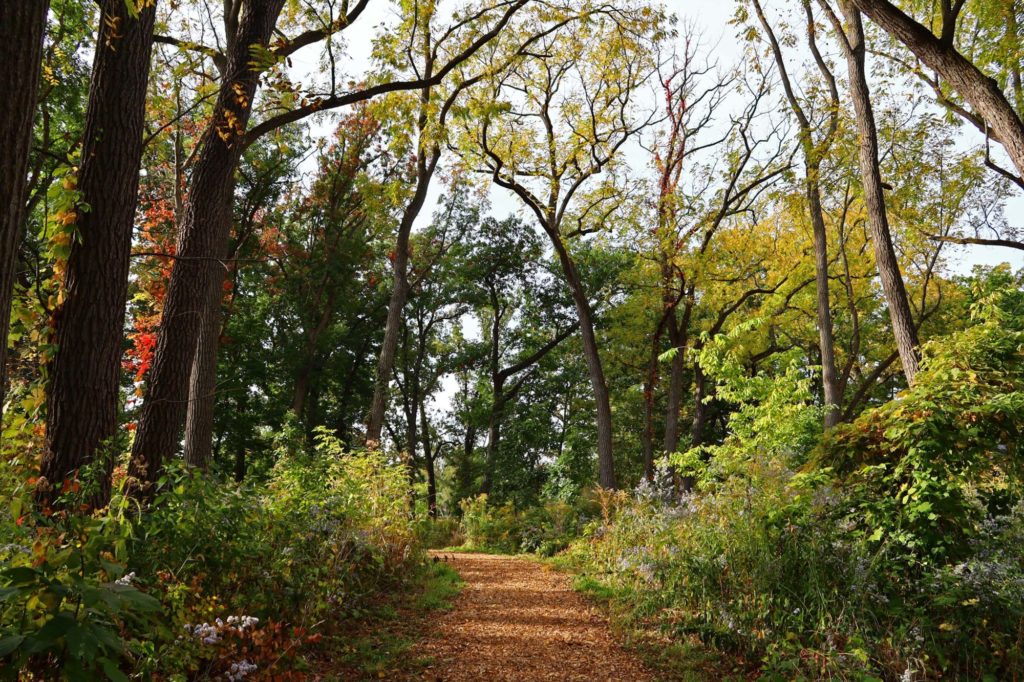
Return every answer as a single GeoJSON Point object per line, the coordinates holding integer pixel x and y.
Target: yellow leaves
{"type": "Point", "coordinates": [113, 25]}
{"type": "Point", "coordinates": [48, 75]}
{"type": "Point", "coordinates": [231, 126]}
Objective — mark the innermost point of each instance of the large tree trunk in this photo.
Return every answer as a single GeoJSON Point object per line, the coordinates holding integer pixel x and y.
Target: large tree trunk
{"type": "Point", "coordinates": [940, 55]}
{"type": "Point", "coordinates": [22, 25]}
{"type": "Point", "coordinates": [871, 178]}
{"type": "Point", "coordinates": [202, 235]}
{"type": "Point", "coordinates": [602, 402]}
{"type": "Point", "coordinates": [399, 294]}
{"type": "Point", "coordinates": [84, 394]}
{"type": "Point", "coordinates": [494, 436]}
{"type": "Point", "coordinates": [202, 387]}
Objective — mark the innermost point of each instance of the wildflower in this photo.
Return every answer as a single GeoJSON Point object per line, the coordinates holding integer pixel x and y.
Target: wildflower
{"type": "Point", "coordinates": [126, 579]}
{"type": "Point", "coordinates": [240, 670]}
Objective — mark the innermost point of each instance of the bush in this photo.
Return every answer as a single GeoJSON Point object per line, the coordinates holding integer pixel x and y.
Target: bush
{"type": "Point", "coordinates": [544, 529]}
{"type": "Point", "coordinates": [891, 550]}
{"type": "Point", "coordinates": [215, 579]}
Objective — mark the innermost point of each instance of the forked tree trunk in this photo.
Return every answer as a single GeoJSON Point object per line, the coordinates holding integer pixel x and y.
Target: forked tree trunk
{"type": "Point", "coordinates": [813, 152]}
{"type": "Point", "coordinates": [83, 397]}
{"type": "Point", "coordinates": [202, 234]}
{"type": "Point", "coordinates": [22, 25]}
{"type": "Point", "coordinates": [871, 179]}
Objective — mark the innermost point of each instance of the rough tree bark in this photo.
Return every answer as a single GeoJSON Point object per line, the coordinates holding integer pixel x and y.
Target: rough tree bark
{"type": "Point", "coordinates": [22, 25]}
{"type": "Point", "coordinates": [83, 396]}
{"type": "Point", "coordinates": [940, 55]}
{"type": "Point", "coordinates": [202, 385]}
{"type": "Point", "coordinates": [871, 179]}
{"type": "Point", "coordinates": [203, 232]}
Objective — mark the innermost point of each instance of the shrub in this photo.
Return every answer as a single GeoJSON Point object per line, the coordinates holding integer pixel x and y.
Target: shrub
{"type": "Point", "coordinates": [215, 579]}
{"type": "Point", "coordinates": [892, 549]}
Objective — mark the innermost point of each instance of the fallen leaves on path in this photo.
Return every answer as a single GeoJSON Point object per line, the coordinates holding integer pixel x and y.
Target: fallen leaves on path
{"type": "Point", "coordinates": [517, 620]}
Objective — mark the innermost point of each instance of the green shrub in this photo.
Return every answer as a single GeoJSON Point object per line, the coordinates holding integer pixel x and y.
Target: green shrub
{"type": "Point", "coordinates": [891, 550]}
{"type": "Point", "coordinates": [213, 575]}
{"type": "Point", "coordinates": [544, 529]}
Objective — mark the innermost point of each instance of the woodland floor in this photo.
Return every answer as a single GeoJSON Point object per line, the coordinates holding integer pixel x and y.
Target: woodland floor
{"type": "Point", "coordinates": [519, 620]}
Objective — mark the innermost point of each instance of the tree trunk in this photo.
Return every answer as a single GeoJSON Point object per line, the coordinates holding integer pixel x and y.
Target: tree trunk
{"type": "Point", "coordinates": [22, 25]}
{"type": "Point", "coordinates": [202, 388]}
{"type": "Point", "coordinates": [830, 382]}
{"type": "Point", "coordinates": [606, 464]}
{"type": "Point", "coordinates": [831, 386]}
{"type": "Point", "coordinates": [941, 56]}
{"type": "Point", "coordinates": [83, 397]}
{"type": "Point", "coordinates": [428, 461]}
{"type": "Point", "coordinates": [309, 364]}
{"type": "Point", "coordinates": [677, 334]}
{"type": "Point", "coordinates": [464, 476]}
{"type": "Point", "coordinates": [871, 178]}
{"type": "Point", "coordinates": [202, 235]}
{"type": "Point", "coordinates": [494, 435]}
{"type": "Point", "coordinates": [647, 434]}
{"type": "Point", "coordinates": [399, 294]}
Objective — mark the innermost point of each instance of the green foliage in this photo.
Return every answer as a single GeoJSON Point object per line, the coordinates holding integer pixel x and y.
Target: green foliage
{"type": "Point", "coordinates": [925, 470]}
{"type": "Point", "coordinates": [252, 573]}
{"type": "Point", "coordinates": [541, 529]}
{"type": "Point", "coordinates": [892, 550]}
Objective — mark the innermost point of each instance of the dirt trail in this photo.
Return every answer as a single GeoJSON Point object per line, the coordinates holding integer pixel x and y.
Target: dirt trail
{"type": "Point", "coordinates": [517, 620]}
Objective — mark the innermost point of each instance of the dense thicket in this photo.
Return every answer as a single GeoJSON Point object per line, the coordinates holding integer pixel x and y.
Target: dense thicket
{"type": "Point", "coordinates": [293, 293]}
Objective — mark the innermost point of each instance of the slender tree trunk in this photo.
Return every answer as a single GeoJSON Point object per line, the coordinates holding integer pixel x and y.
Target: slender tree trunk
{"type": "Point", "coordinates": [399, 294]}
{"type": "Point", "coordinates": [677, 334]}
{"type": "Point", "coordinates": [831, 386]}
{"type": "Point", "coordinates": [701, 410]}
{"type": "Point", "coordinates": [602, 402]}
{"type": "Point", "coordinates": [830, 381]}
{"type": "Point", "coordinates": [202, 234]}
{"type": "Point", "coordinates": [647, 435]}
{"type": "Point", "coordinates": [982, 92]}
{"type": "Point", "coordinates": [84, 397]}
{"type": "Point", "coordinates": [871, 178]}
{"type": "Point", "coordinates": [305, 376]}
{"type": "Point", "coordinates": [22, 25]}
{"type": "Point", "coordinates": [202, 388]}
{"type": "Point", "coordinates": [428, 461]}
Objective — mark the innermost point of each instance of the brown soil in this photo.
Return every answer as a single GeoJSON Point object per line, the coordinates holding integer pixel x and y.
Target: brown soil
{"type": "Point", "coordinates": [518, 620]}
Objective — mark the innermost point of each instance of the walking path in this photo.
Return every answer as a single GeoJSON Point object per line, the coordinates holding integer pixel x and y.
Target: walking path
{"type": "Point", "coordinates": [518, 620]}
